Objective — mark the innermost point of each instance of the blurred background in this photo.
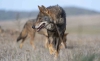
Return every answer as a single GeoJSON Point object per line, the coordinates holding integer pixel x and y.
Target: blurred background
{"type": "Point", "coordinates": [83, 26]}
{"type": "Point", "coordinates": [28, 8]}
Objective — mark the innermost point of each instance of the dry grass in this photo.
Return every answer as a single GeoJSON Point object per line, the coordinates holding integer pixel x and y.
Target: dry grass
{"type": "Point", "coordinates": [83, 43]}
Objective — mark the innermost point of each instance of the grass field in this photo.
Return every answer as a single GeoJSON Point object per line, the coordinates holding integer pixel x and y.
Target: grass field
{"type": "Point", "coordinates": [83, 42]}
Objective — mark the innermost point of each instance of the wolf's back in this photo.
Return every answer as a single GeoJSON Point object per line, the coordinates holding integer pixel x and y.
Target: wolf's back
{"type": "Point", "coordinates": [26, 29]}
{"type": "Point", "coordinates": [60, 16]}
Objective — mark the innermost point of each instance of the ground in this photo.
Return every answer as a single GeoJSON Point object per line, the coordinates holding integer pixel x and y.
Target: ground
{"type": "Point", "coordinates": [82, 44]}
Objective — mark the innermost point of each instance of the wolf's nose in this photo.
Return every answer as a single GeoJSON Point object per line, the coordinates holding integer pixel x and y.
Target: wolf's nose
{"type": "Point", "coordinates": [33, 27]}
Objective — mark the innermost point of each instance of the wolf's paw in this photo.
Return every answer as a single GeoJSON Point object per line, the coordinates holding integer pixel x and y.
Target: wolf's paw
{"type": "Point", "coordinates": [56, 55]}
{"type": "Point", "coordinates": [51, 49]}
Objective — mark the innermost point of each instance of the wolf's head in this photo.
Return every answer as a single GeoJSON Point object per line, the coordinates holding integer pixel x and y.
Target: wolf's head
{"type": "Point", "coordinates": [43, 19]}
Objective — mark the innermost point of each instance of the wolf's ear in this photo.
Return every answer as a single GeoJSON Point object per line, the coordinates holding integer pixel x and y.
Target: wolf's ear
{"type": "Point", "coordinates": [40, 8]}
{"type": "Point", "coordinates": [46, 11]}
{"type": "Point", "coordinates": [43, 10]}
{"type": "Point", "coordinates": [43, 7]}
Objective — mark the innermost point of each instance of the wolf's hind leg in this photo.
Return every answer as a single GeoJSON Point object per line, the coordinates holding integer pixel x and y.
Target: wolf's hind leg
{"type": "Point", "coordinates": [21, 45]}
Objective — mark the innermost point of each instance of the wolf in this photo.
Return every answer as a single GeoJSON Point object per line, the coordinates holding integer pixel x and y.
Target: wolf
{"type": "Point", "coordinates": [28, 31]}
{"type": "Point", "coordinates": [52, 18]}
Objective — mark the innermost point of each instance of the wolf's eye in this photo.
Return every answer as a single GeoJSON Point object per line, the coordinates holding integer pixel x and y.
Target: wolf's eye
{"type": "Point", "coordinates": [46, 18]}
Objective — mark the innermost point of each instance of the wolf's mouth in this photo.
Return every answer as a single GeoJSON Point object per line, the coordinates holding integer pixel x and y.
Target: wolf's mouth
{"type": "Point", "coordinates": [40, 27]}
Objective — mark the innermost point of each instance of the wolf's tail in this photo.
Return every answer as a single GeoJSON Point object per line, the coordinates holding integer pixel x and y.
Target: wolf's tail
{"type": "Point", "coordinates": [22, 35]}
